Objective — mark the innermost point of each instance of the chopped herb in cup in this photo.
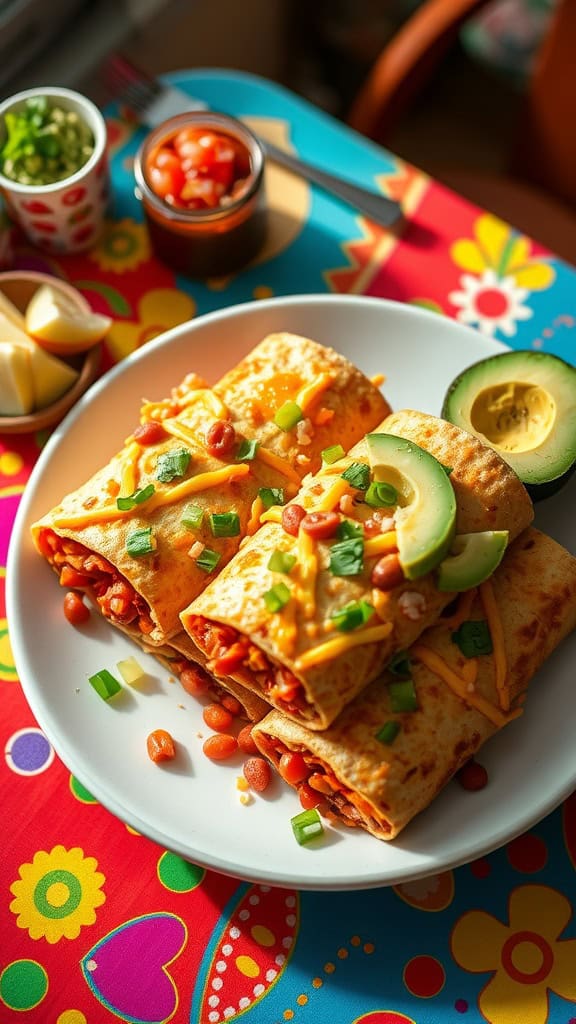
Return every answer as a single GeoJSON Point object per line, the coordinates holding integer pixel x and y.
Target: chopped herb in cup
{"type": "Point", "coordinates": [44, 143]}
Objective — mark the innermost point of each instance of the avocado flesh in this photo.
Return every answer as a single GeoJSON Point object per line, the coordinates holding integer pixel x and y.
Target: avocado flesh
{"type": "Point", "coordinates": [473, 558]}
{"type": "Point", "coordinates": [522, 404]}
{"type": "Point", "coordinates": [425, 518]}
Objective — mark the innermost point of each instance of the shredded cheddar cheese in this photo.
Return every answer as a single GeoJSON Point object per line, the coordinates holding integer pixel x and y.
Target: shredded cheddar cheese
{"type": "Point", "coordinates": [497, 633]}
{"type": "Point", "coordinates": [332, 496]}
{"type": "Point", "coordinates": [459, 686]}
{"type": "Point", "coordinates": [307, 572]}
{"type": "Point", "coordinates": [470, 671]}
{"type": "Point", "coordinates": [254, 518]}
{"type": "Point", "coordinates": [381, 544]}
{"type": "Point", "coordinates": [377, 379]}
{"type": "Point", "coordinates": [180, 430]}
{"type": "Point", "coordinates": [340, 644]}
{"type": "Point", "coordinates": [279, 464]}
{"type": "Point", "coordinates": [272, 515]}
{"type": "Point", "coordinates": [201, 482]}
{"type": "Point", "coordinates": [128, 470]}
{"type": "Point", "coordinates": [215, 404]}
{"type": "Point", "coordinates": [310, 392]}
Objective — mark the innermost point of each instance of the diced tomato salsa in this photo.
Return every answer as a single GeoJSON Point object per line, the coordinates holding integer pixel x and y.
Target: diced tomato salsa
{"type": "Point", "coordinates": [198, 169]}
{"type": "Point", "coordinates": [81, 568]}
{"type": "Point", "coordinates": [229, 652]}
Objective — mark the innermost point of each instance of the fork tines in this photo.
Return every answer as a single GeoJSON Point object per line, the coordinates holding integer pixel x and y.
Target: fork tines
{"type": "Point", "coordinates": [129, 84]}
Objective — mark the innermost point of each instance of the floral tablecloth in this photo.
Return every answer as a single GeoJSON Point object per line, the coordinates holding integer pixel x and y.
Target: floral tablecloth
{"type": "Point", "coordinates": [492, 941]}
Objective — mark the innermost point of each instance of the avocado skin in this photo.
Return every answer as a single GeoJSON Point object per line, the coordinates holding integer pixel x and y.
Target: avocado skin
{"type": "Point", "coordinates": [545, 490]}
{"type": "Point", "coordinates": [543, 369]}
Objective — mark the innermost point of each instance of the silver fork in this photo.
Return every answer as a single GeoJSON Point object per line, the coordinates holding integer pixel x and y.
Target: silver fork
{"type": "Point", "coordinates": [152, 101]}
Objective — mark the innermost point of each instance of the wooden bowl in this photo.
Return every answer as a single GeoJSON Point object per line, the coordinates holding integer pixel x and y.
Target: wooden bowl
{"type": "Point", "coordinates": [19, 286]}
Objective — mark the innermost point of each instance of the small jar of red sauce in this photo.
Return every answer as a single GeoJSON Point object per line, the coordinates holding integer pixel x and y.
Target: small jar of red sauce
{"type": "Point", "coordinates": [201, 180]}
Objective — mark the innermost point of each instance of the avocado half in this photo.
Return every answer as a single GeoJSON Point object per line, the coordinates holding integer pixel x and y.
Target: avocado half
{"type": "Point", "coordinates": [522, 404]}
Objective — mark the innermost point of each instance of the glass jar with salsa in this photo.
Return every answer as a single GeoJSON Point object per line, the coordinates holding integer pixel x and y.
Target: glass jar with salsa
{"type": "Point", "coordinates": [200, 176]}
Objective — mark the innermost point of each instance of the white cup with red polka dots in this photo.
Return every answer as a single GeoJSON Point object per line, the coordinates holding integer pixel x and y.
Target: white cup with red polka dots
{"type": "Point", "coordinates": [68, 215]}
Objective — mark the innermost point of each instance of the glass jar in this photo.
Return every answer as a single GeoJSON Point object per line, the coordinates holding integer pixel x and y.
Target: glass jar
{"type": "Point", "coordinates": [208, 241]}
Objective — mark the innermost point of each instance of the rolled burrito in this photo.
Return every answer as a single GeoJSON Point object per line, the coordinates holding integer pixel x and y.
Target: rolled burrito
{"type": "Point", "coordinates": [465, 678]}
{"type": "Point", "coordinates": [307, 623]}
{"type": "Point", "coordinates": [148, 531]}
{"type": "Point", "coordinates": [182, 660]}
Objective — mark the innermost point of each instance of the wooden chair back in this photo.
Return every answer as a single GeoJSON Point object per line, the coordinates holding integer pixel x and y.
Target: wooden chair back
{"type": "Point", "coordinates": [544, 150]}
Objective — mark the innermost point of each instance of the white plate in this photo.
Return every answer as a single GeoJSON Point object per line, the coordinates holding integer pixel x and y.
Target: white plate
{"type": "Point", "coordinates": [191, 807]}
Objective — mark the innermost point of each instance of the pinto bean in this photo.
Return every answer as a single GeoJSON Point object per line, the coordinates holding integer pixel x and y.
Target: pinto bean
{"type": "Point", "coordinates": [292, 516]}
{"type": "Point", "coordinates": [387, 573]}
{"type": "Point", "coordinates": [220, 438]}
{"type": "Point", "coordinates": [74, 609]}
{"type": "Point", "coordinates": [320, 525]}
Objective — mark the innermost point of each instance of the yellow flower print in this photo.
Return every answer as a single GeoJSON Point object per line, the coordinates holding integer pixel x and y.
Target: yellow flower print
{"type": "Point", "coordinates": [496, 247]}
{"type": "Point", "coordinates": [158, 311]}
{"type": "Point", "coordinates": [57, 894]}
{"type": "Point", "coordinates": [123, 245]}
{"type": "Point", "coordinates": [527, 957]}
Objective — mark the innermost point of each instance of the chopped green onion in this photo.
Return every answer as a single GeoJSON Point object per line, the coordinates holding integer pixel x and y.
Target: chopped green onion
{"type": "Point", "coordinates": [288, 415]}
{"type": "Point", "coordinates": [332, 454]}
{"type": "Point", "coordinates": [447, 469]}
{"type": "Point", "coordinates": [347, 529]}
{"type": "Point", "coordinates": [381, 495]}
{"type": "Point", "coordinates": [171, 465]}
{"type": "Point", "coordinates": [281, 561]}
{"type": "Point", "coordinates": [224, 524]}
{"type": "Point", "coordinates": [247, 450]}
{"type": "Point", "coordinates": [104, 683]}
{"type": "Point", "coordinates": [351, 615]}
{"type": "Point", "coordinates": [388, 732]}
{"type": "Point", "coordinates": [136, 498]}
{"type": "Point", "coordinates": [277, 597]}
{"type": "Point", "coordinates": [270, 496]}
{"type": "Point", "coordinates": [306, 826]}
{"type": "Point", "coordinates": [347, 557]}
{"type": "Point", "coordinates": [473, 637]}
{"type": "Point", "coordinates": [192, 517]}
{"type": "Point", "coordinates": [140, 542]}
{"type": "Point", "coordinates": [399, 665]}
{"type": "Point", "coordinates": [403, 695]}
{"type": "Point", "coordinates": [208, 560]}
{"type": "Point", "coordinates": [357, 475]}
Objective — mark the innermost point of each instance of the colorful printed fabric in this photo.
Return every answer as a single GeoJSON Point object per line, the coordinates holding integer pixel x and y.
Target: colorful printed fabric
{"type": "Point", "coordinates": [100, 924]}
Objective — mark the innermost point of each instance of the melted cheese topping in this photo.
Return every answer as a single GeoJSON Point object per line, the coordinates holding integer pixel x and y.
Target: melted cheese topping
{"type": "Point", "coordinates": [377, 379]}
{"type": "Point", "coordinates": [279, 464]}
{"type": "Point", "coordinates": [497, 633]}
{"type": "Point", "coordinates": [459, 686]}
{"type": "Point", "coordinates": [340, 644]}
{"type": "Point", "coordinates": [310, 392]}
{"type": "Point", "coordinates": [201, 482]}
{"type": "Point", "coordinates": [283, 629]}
{"type": "Point", "coordinates": [307, 572]}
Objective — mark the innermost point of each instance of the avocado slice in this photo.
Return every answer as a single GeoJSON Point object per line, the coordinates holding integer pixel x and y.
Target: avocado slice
{"type": "Point", "coordinates": [426, 513]}
{"type": "Point", "coordinates": [472, 559]}
{"type": "Point", "coordinates": [522, 404]}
